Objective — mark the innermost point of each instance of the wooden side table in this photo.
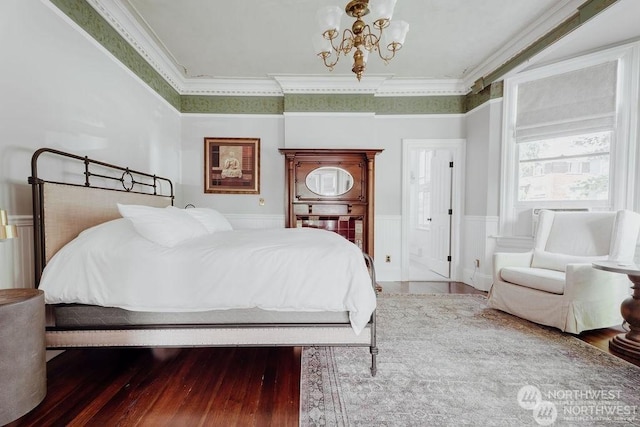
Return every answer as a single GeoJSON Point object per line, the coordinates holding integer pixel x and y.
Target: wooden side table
{"type": "Point", "coordinates": [629, 343]}
{"type": "Point", "coordinates": [23, 376]}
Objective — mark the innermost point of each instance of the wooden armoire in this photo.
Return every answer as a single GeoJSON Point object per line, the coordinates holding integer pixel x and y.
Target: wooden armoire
{"type": "Point", "coordinates": [332, 189]}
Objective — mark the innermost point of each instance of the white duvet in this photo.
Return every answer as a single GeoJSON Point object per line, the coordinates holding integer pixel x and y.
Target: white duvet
{"type": "Point", "coordinates": [297, 269]}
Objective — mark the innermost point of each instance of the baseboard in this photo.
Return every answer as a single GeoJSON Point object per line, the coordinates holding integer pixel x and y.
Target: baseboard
{"type": "Point", "coordinates": [478, 280]}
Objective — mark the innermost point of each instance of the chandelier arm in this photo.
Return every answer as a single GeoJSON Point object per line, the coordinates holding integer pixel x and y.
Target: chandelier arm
{"type": "Point", "coordinates": [370, 40]}
{"type": "Point", "coordinates": [329, 65]}
{"type": "Point", "coordinates": [337, 50]}
{"type": "Point", "coordinates": [346, 44]}
{"type": "Point", "coordinates": [395, 47]}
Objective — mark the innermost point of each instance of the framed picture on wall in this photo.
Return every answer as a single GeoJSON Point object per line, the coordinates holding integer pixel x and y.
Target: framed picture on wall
{"type": "Point", "coordinates": [232, 165]}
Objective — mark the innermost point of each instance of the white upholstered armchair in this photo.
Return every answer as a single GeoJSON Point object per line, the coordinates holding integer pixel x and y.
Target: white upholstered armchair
{"type": "Point", "coordinates": [555, 283]}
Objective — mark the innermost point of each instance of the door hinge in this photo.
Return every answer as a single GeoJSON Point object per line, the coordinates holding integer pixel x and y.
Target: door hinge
{"type": "Point", "coordinates": [450, 211]}
{"type": "Point", "coordinates": [450, 164]}
{"type": "Point", "coordinates": [449, 258]}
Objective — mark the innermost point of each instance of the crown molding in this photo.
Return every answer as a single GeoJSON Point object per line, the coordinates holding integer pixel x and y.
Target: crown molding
{"type": "Point", "coordinates": [540, 27]}
{"type": "Point", "coordinates": [422, 87]}
{"type": "Point", "coordinates": [378, 85]}
{"type": "Point", "coordinates": [123, 21]}
{"type": "Point", "coordinates": [232, 87]}
{"type": "Point", "coordinates": [337, 84]}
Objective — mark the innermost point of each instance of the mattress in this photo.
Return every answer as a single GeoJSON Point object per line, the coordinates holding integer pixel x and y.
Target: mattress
{"type": "Point", "coordinates": [70, 316]}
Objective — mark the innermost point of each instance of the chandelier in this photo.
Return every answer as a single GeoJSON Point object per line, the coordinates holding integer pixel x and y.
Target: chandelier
{"type": "Point", "coordinates": [387, 40]}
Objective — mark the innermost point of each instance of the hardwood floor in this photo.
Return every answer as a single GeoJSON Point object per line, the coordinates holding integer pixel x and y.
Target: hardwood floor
{"type": "Point", "coordinates": [197, 387]}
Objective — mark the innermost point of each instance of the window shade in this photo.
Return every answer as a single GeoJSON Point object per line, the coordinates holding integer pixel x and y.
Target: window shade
{"type": "Point", "coordinates": [572, 103]}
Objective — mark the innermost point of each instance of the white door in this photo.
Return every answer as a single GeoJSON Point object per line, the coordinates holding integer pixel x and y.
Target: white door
{"type": "Point", "coordinates": [427, 213]}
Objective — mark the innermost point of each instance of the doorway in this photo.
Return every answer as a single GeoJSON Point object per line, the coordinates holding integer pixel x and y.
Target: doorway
{"type": "Point", "coordinates": [431, 178]}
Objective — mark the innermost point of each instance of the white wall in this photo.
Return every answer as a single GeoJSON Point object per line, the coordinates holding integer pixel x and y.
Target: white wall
{"type": "Point", "coordinates": [309, 130]}
{"type": "Point", "coordinates": [390, 131]}
{"type": "Point", "coordinates": [270, 130]}
{"type": "Point", "coordinates": [60, 89]}
{"type": "Point", "coordinates": [482, 192]}
{"type": "Point", "coordinates": [484, 139]}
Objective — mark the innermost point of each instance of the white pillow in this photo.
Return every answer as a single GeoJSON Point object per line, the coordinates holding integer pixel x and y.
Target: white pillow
{"type": "Point", "coordinates": [211, 219]}
{"type": "Point", "coordinates": [164, 226]}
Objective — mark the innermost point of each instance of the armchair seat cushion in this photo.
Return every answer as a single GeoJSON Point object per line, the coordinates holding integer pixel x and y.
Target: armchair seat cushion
{"type": "Point", "coordinates": [542, 279]}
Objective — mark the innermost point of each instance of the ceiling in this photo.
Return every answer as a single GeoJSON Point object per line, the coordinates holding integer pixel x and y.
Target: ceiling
{"type": "Point", "coordinates": [200, 42]}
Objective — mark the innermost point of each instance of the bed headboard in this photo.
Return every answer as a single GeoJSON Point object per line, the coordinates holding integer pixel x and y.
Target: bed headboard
{"type": "Point", "coordinates": [62, 210]}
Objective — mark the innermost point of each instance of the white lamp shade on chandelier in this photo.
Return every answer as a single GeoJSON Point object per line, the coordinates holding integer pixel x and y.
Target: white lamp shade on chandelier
{"type": "Point", "coordinates": [329, 18]}
{"type": "Point", "coordinates": [360, 38]}
{"type": "Point", "coordinates": [397, 31]}
{"type": "Point", "coordinates": [382, 9]}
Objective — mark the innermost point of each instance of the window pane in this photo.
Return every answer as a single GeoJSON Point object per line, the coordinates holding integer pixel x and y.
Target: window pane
{"type": "Point", "coordinates": [422, 187]}
{"type": "Point", "coordinates": [567, 168]}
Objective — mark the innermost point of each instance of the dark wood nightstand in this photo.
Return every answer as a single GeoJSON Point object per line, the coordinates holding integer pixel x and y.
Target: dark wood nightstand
{"type": "Point", "coordinates": [628, 343]}
{"type": "Point", "coordinates": [23, 376]}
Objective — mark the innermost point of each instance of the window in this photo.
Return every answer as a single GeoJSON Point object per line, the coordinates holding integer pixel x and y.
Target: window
{"type": "Point", "coordinates": [564, 129]}
{"type": "Point", "coordinates": [565, 168]}
{"type": "Point", "coordinates": [570, 136]}
{"type": "Point", "coordinates": [423, 188]}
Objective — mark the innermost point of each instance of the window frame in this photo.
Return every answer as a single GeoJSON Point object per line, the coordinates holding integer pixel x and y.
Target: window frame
{"type": "Point", "coordinates": [622, 155]}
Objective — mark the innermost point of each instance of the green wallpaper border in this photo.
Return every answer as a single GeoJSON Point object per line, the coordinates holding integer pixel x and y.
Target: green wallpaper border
{"type": "Point", "coordinates": [493, 91]}
{"type": "Point", "coordinates": [387, 105]}
{"type": "Point", "coordinates": [344, 103]}
{"type": "Point", "coordinates": [88, 19]}
{"type": "Point", "coordinates": [207, 104]}
{"type": "Point", "coordinates": [394, 105]}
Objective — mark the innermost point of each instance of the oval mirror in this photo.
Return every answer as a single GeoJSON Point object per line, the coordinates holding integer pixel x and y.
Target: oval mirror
{"type": "Point", "coordinates": [329, 181]}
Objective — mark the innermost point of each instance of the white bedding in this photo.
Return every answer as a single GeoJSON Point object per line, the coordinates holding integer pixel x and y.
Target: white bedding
{"type": "Point", "coordinates": [296, 269]}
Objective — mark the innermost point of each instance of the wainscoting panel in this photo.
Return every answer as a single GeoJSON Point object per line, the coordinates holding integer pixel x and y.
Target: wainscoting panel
{"type": "Point", "coordinates": [16, 256]}
{"type": "Point", "coordinates": [388, 243]}
{"type": "Point", "coordinates": [479, 244]}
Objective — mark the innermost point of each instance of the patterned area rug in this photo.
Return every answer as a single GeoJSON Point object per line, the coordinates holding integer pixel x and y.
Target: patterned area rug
{"type": "Point", "coordinates": [448, 360]}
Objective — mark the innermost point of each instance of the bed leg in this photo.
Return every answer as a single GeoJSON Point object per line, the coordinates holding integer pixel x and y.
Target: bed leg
{"type": "Point", "coordinates": [373, 348]}
{"type": "Point", "coordinates": [374, 355]}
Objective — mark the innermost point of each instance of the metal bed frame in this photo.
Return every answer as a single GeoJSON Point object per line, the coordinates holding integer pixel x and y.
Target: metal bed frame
{"type": "Point", "coordinates": [90, 204]}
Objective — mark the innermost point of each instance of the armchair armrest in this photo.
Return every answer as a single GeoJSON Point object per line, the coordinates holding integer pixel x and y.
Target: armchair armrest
{"type": "Point", "coordinates": [585, 283]}
{"type": "Point", "coordinates": [510, 259]}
